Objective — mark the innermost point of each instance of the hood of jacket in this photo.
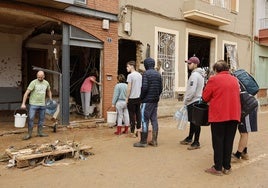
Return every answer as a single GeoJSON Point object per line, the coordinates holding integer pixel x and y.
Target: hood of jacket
{"type": "Point", "coordinates": [200, 71]}
{"type": "Point", "coordinates": [149, 63]}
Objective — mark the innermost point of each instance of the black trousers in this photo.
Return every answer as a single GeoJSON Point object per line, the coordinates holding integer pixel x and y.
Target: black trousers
{"type": "Point", "coordinates": [223, 134]}
{"type": "Point", "coordinates": [134, 113]}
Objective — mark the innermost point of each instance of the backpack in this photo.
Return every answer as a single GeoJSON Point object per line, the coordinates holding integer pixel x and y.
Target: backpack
{"type": "Point", "coordinates": [247, 80]}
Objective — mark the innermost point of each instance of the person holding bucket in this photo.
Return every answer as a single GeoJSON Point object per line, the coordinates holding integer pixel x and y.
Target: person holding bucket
{"type": "Point", "coordinates": [119, 101]}
{"type": "Point", "coordinates": [192, 96]}
{"type": "Point", "coordinates": [222, 92]}
{"type": "Point", "coordinates": [37, 90]}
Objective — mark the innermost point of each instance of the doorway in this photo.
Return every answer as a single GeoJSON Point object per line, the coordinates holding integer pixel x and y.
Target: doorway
{"type": "Point", "coordinates": [38, 58]}
{"type": "Point", "coordinates": [199, 47]}
{"type": "Point", "coordinates": [127, 52]}
{"type": "Point", "coordinates": [83, 61]}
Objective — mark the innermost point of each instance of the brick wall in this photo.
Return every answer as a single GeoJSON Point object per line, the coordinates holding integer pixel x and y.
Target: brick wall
{"type": "Point", "coordinates": [110, 6]}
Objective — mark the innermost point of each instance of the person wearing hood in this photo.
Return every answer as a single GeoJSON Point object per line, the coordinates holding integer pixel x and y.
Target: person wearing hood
{"type": "Point", "coordinates": [193, 95]}
{"type": "Point", "coordinates": [150, 93]}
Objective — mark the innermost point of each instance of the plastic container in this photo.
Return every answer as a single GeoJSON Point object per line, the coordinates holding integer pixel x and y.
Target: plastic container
{"type": "Point", "coordinates": [111, 117]}
{"type": "Point", "coordinates": [20, 118]}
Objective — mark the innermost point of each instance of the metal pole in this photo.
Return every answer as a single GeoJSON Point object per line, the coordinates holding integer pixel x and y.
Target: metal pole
{"type": "Point", "coordinates": [60, 93]}
{"type": "Point", "coordinates": [65, 85]}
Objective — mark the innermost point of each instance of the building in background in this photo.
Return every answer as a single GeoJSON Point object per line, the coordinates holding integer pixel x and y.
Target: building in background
{"type": "Point", "coordinates": [74, 37]}
{"type": "Point", "coordinates": [260, 55]}
{"type": "Point", "coordinates": [172, 31]}
{"type": "Point", "coordinates": [70, 37]}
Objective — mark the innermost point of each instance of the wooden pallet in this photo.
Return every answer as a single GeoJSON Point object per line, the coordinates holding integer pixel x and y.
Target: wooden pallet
{"type": "Point", "coordinates": [32, 156]}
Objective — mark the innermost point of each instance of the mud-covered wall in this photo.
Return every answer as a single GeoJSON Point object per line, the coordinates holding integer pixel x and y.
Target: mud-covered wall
{"type": "Point", "coordinates": [10, 60]}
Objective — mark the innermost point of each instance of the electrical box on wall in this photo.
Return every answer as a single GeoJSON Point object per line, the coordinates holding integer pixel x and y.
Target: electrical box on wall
{"type": "Point", "coordinates": [105, 24]}
{"type": "Point", "coordinates": [127, 27]}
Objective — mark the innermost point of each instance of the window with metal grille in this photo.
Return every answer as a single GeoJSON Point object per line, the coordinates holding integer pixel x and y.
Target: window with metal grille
{"type": "Point", "coordinates": [230, 55]}
{"type": "Point", "coordinates": [166, 57]}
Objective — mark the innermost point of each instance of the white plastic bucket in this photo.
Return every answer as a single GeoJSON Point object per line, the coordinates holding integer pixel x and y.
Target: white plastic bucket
{"type": "Point", "coordinates": [111, 117]}
{"type": "Point", "coordinates": [20, 120]}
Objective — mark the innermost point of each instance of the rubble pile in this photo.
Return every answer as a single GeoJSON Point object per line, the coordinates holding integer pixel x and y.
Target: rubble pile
{"type": "Point", "coordinates": [45, 154]}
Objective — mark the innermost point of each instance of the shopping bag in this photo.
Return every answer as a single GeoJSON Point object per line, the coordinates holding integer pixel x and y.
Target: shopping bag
{"type": "Point", "coordinates": [182, 117]}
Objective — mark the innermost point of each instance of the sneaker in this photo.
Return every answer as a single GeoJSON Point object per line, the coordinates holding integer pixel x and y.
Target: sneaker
{"type": "Point", "coordinates": [213, 171]}
{"type": "Point", "coordinates": [234, 159]}
{"type": "Point", "coordinates": [194, 145]}
{"type": "Point", "coordinates": [244, 156]}
{"type": "Point", "coordinates": [227, 172]}
{"type": "Point", "coordinates": [186, 141]}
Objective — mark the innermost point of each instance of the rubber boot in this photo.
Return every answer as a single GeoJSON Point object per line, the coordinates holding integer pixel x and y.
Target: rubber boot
{"type": "Point", "coordinates": [154, 140]}
{"type": "Point", "coordinates": [143, 141]}
{"type": "Point", "coordinates": [126, 130]}
{"type": "Point", "coordinates": [40, 131]}
{"type": "Point", "coordinates": [138, 133]}
{"type": "Point", "coordinates": [118, 131]}
{"type": "Point", "coordinates": [29, 135]}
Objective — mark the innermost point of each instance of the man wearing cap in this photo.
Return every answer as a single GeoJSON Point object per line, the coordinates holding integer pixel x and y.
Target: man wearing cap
{"type": "Point", "coordinates": [193, 94]}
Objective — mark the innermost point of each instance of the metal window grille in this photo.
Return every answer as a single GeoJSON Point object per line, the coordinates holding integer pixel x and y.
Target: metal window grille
{"type": "Point", "coordinates": [231, 56]}
{"type": "Point", "coordinates": [166, 56]}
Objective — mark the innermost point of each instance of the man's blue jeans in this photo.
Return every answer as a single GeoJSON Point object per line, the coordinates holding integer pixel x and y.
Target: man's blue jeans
{"type": "Point", "coordinates": [32, 111]}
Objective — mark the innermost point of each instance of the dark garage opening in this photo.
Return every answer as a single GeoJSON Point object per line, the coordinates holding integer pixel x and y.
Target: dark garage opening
{"type": "Point", "coordinates": [199, 47]}
{"type": "Point", "coordinates": [127, 52]}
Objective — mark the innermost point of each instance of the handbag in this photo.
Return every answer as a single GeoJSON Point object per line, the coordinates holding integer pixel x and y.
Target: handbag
{"type": "Point", "coordinates": [200, 114]}
{"type": "Point", "coordinates": [248, 103]}
{"type": "Point", "coordinates": [95, 94]}
{"type": "Point", "coordinates": [181, 116]}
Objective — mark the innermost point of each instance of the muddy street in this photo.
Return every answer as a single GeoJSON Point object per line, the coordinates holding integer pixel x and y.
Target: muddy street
{"type": "Point", "coordinates": [116, 163]}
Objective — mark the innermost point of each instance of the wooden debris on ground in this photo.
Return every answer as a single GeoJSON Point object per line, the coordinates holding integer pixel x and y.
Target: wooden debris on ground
{"type": "Point", "coordinates": [13, 132]}
{"type": "Point", "coordinates": [89, 123]}
{"type": "Point", "coordinates": [46, 153]}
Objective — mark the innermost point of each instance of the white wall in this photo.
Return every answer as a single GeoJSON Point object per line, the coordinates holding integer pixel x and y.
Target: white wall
{"type": "Point", "coordinates": [259, 14]}
{"type": "Point", "coordinates": [10, 60]}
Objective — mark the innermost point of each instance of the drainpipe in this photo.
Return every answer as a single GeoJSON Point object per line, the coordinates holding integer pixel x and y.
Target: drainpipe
{"type": "Point", "coordinates": [252, 67]}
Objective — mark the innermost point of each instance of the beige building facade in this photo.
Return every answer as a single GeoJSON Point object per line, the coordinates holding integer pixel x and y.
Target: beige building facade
{"type": "Point", "coordinates": [172, 31]}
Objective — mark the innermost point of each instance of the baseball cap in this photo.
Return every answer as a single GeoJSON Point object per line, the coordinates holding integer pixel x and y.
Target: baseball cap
{"type": "Point", "coordinates": [193, 59]}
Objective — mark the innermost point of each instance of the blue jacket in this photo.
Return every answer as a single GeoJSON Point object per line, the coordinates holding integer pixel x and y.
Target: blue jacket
{"type": "Point", "coordinates": [151, 88]}
{"type": "Point", "coordinates": [120, 92]}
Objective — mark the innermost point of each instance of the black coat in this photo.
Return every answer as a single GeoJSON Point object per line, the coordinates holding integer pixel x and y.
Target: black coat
{"type": "Point", "coordinates": [151, 88]}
